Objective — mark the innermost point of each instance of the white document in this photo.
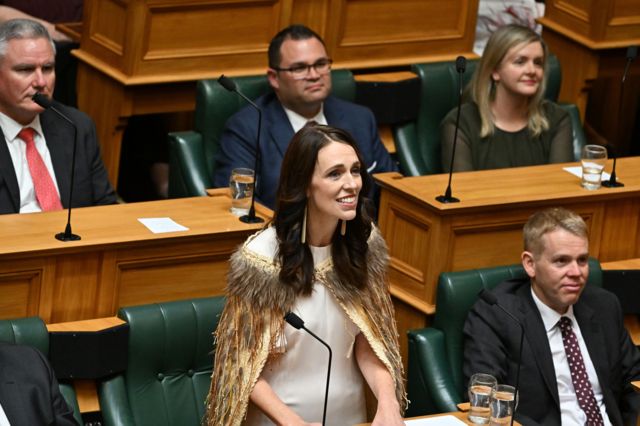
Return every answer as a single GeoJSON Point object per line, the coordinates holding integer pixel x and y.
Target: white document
{"type": "Point", "coordinates": [577, 171]}
{"type": "Point", "coordinates": [159, 225]}
{"type": "Point", "coordinates": [446, 420]}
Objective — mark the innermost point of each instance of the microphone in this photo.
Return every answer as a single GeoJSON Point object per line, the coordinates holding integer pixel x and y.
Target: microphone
{"type": "Point", "coordinates": [632, 52]}
{"type": "Point", "coordinates": [46, 103]}
{"type": "Point", "coordinates": [461, 66]}
{"type": "Point", "coordinates": [230, 85]}
{"type": "Point", "coordinates": [297, 323]}
{"type": "Point", "coordinates": [612, 182]}
{"type": "Point", "coordinates": [492, 300]}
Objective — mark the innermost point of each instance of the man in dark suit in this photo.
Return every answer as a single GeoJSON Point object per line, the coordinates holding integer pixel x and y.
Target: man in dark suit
{"type": "Point", "coordinates": [29, 392]}
{"type": "Point", "coordinates": [40, 168]}
{"type": "Point", "coordinates": [559, 384]}
{"type": "Point", "coordinates": [299, 73]}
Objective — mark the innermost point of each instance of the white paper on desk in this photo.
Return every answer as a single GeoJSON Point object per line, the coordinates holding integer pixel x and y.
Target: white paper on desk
{"type": "Point", "coordinates": [440, 421]}
{"type": "Point", "coordinates": [159, 225]}
{"type": "Point", "coordinates": [577, 171]}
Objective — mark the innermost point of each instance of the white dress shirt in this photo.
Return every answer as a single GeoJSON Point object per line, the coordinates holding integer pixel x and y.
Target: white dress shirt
{"type": "Point", "coordinates": [4, 421]}
{"type": "Point", "coordinates": [570, 411]}
{"type": "Point", "coordinates": [18, 151]}
{"type": "Point", "coordinates": [297, 121]}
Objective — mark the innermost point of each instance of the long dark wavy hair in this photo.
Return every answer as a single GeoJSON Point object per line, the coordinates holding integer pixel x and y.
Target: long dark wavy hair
{"type": "Point", "coordinates": [349, 252]}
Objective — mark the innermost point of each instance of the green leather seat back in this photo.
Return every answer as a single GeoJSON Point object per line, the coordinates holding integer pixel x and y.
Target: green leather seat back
{"type": "Point", "coordinates": [192, 154]}
{"type": "Point", "coordinates": [32, 331]}
{"type": "Point", "coordinates": [170, 360]}
{"type": "Point", "coordinates": [444, 340]}
{"type": "Point", "coordinates": [418, 142]}
{"type": "Point", "coordinates": [29, 331]}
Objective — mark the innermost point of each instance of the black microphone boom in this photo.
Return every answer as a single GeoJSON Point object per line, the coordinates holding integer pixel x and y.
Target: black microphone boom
{"type": "Point", "coordinates": [461, 66]}
{"type": "Point", "coordinates": [230, 85]}
{"type": "Point", "coordinates": [46, 103]}
{"type": "Point", "coordinates": [492, 300]}
{"type": "Point", "coordinates": [297, 323]}
{"type": "Point", "coordinates": [632, 52]}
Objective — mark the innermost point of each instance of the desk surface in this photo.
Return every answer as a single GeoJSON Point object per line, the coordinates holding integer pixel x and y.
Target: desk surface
{"type": "Point", "coordinates": [118, 224]}
{"type": "Point", "coordinates": [513, 186]}
{"type": "Point", "coordinates": [458, 415]}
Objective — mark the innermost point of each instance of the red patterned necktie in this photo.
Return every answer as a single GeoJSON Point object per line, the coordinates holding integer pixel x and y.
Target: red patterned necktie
{"type": "Point", "coordinates": [579, 376]}
{"type": "Point", "coordinates": [46, 193]}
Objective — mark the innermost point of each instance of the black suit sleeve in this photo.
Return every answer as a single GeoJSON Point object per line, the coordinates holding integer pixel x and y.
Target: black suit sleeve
{"type": "Point", "coordinates": [62, 413]}
{"type": "Point", "coordinates": [103, 192]}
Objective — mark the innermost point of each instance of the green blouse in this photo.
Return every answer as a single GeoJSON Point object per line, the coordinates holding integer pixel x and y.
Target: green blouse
{"type": "Point", "coordinates": [505, 149]}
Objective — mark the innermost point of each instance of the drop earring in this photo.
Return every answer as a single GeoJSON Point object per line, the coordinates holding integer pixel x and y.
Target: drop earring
{"type": "Point", "coordinates": [303, 234]}
{"type": "Point", "coordinates": [343, 227]}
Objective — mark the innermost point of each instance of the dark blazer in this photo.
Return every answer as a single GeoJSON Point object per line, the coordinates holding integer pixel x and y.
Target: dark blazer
{"type": "Point", "coordinates": [492, 343]}
{"type": "Point", "coordinates": [29, 392]}
{"type": "Point", "coordinates": [91, 183]}
{"type": "Point", "coordinates": [238, 141]}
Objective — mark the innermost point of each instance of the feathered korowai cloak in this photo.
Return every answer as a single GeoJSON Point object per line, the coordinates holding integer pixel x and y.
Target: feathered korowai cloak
{"type": "Point", "coordinates": [253, 321]}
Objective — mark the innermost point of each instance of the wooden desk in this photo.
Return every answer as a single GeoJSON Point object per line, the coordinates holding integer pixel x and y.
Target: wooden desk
{"type": "Point", "coordinates": [458, 415]}
{"type": "Point", "coordinates": [484, 229]}
{"type": "Point", "coordinates": [118, 262]}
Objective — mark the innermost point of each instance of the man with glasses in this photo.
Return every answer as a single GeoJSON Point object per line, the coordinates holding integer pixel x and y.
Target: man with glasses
{"type": "Point", "coordinates": [300, 75]}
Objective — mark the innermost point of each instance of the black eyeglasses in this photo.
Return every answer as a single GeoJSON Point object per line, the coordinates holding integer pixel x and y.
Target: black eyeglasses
{"type": "Point", "coordinates": [298, 72]}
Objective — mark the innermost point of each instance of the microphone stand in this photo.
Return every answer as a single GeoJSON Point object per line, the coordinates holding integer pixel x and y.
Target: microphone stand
{"type": "Point", "coordinates": [461, 64]}
{"type": "Point", "coordinates": [46, 103]}
{"type": "Point", "coordinates": [230, 85]}
{"type": "Point", "coordinates": [297, 323]}
{"type": "Point", "coordinates": [632, 52]}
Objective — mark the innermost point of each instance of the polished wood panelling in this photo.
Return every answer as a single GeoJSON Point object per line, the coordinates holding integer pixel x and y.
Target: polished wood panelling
{"type": "Point", "coordinates": [118, 262]}
{"type": "Point", "coordinates": [485, 228]}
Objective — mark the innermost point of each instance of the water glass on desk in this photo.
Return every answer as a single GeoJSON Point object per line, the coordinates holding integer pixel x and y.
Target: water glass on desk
{"type": "Point", "coordinates": [503, 404]}
{"type": "Point", "coordinates": [241, 186]}
{"type": "Point", "coordinates": [480, 387]}
{"type": "Point", "coordinates": [593, 159]}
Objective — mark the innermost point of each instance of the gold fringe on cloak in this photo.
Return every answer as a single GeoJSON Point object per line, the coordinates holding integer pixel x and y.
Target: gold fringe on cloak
{"type": "Point", "coordinates": [253, 321]}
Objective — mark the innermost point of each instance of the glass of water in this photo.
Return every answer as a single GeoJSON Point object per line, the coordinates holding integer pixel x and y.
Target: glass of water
{"type": "Point", "coordinates": [503, 404]}
{"type": "Point", "coordinates": [593, 159]}
{"type": "Point", "coordinates": [480, 387]}
{"type": "Point", "coordinates": [241, 187]}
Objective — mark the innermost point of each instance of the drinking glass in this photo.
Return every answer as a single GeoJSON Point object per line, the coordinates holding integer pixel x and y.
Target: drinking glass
{"type": "Point", "coordinates": [503, 404]}
{"type": "Point", "coordinates": [480, 387]}
{"type": "Point", "coordinates": [241, 186]}
{"type": "Point", "coordinates": [593, 159]}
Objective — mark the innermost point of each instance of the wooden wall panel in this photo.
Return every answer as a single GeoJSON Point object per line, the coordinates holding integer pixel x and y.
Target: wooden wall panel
{"type": "Point", "coordinates": [386, 32]}
{"type": "Point", "coordinates": [22, 285]}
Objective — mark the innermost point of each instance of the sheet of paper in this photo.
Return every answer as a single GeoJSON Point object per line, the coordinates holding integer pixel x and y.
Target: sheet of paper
{"type": "Point", "coordinates": [577, 171]}
{"type": "Point", "coordinates": [433, 421]}
{"type": "Point", "coordinates": [159, 225]}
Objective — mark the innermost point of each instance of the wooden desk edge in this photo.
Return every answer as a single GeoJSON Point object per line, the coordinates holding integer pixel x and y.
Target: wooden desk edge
{"type": "Point", "coordinates": [96, 324]}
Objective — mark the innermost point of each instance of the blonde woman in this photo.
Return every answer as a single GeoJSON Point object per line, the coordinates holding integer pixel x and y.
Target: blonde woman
{"type": "Point", "coordinates": [508, 123]}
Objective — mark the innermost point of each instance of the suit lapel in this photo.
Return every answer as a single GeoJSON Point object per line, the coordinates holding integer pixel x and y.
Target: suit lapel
{"type": "Point", "coordinates": [59, 136]}
{"type": "Point", "coordinates": [278, 126]}
{"type": "Point", "coordinates": [536, 335]}
{"type": "Point", "coordinates": [8, 173]}
{"type": "Point", "coordinates": [593, 336]}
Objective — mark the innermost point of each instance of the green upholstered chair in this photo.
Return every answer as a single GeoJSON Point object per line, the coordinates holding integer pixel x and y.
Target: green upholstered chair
{"type": "Point", "coordinates": [435, 381]}
{"type": "Point", "coordinates": [33, 332]}
{"type": "Point", "coordinates": [169, 366]}
{"type": "Point", "coordinates": [192, 153]}
{"type": "Point", "coordinates": [418, 142]}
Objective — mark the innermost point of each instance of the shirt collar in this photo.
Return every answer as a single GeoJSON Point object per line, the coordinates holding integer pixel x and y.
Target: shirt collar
{"type": "Point", "coordinates": [298, 121]}
{"type": "Point", "coordinates": [549, 316]}
{"type": "Point", "coordinates": [11, 128]}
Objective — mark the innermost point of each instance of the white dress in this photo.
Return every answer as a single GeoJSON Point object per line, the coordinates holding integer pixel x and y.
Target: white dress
{"type": "Point", "coordinates": [299, 375]}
